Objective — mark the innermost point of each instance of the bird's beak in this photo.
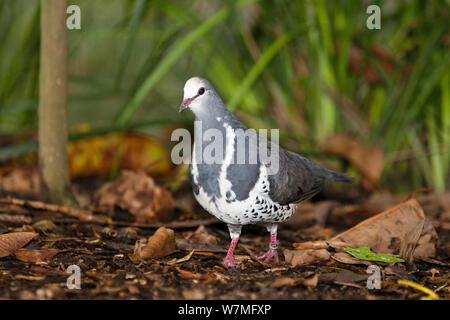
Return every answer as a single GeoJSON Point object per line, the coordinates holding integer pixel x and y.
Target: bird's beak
{"type": "Point", "coordinates": [185, 104]}
{"type": "Point", "coordinates": [182, 107]}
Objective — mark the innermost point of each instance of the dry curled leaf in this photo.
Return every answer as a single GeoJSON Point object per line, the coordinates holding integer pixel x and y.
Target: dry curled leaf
{"type": "Point", "coordinates": [36, 255]}
{"type": "Point", "coordinates": [304, 257]}
{"type": "Point", "coordinates": [138, 194]}
{"type": "Point", "coordinates": [387, 231]}
{"type": "Point", "coordinates": [160, 244]}
{"type": "Point", "coordinates": [11, 242]}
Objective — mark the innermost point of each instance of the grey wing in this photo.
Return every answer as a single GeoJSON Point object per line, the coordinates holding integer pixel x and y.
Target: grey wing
{"type": "Point", "coordinates": [243, 176]}
{"type": "Point", "coordinates": [297, 179]}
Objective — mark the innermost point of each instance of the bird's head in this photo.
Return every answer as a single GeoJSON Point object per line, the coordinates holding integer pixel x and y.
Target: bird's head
{"type": "Point", "coordinates": [198, 93]}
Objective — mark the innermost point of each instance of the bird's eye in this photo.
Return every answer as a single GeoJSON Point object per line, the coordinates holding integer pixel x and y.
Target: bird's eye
{"type": "Point", "coordinates": [201, 91]}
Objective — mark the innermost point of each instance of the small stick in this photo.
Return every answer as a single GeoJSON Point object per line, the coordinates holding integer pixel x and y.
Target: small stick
{"type": "Point", "coordinates": [413, 193]}
{"type": "Point", "coordinates": [171, 225]}
{"type": "Point", "coordinates": [84, 215]}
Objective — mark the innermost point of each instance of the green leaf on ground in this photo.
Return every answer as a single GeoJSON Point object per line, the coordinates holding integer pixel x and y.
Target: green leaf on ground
{"type": "Point", "coordinates": [364, 253]}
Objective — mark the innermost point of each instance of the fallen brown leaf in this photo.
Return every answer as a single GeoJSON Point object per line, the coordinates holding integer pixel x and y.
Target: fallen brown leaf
{"type": "Point", "coordinates": [35, 255]}
{"type": "Point", "coordinates": [304, 257]}
{"type": "Point", "coordinates": [386, 231]}
{"type": "Point", "coordinates": [11, 242]}
{"type": "Point", "coordinates": [160, 244]}
{"type": "Point", "coordinates": [138, 194]}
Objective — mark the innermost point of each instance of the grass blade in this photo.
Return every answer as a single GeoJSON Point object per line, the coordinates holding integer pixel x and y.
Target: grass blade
{"type": "Point", "coordinates": [257, 68]}
{"type": "Point", "coordinates": [128, 110]}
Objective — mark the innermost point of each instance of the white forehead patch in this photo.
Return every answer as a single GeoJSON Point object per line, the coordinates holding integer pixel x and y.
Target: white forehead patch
{"type": "Point", "coordinates": [192, 85]}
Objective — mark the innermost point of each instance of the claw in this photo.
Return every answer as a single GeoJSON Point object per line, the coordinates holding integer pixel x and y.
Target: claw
{"type": "Point", "coordinates": [230, 262]}
{"type": "Point", "coordinates": [269, 255]}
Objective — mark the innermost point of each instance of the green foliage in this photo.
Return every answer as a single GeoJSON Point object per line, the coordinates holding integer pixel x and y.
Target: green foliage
{"type": "Point", "coordinates": [364, 253]}
{"type": "Point", "coordinates": [308, 67]}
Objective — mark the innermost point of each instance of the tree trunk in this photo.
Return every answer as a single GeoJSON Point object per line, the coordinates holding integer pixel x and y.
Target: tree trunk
{"type": "Point", "coordinates": [53, 160]}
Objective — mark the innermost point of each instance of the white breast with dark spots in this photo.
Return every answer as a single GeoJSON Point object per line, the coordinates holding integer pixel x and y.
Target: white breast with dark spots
{"type": "Point", "coordinates": [256, 208]}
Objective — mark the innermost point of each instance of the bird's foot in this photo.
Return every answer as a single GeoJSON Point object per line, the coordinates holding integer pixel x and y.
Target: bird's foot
{"type": "Point", "coordinates": [230, 261]}
{"type": "Point", "coordinates": [269, 255]}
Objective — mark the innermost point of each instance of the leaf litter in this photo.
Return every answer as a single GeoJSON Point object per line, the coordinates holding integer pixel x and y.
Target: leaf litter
{"type": "Point", "coordinates": [178, 256]}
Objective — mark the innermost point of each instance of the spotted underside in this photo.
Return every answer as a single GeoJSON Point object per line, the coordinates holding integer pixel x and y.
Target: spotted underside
{"type": "Point", "coordinates": [258, 207]}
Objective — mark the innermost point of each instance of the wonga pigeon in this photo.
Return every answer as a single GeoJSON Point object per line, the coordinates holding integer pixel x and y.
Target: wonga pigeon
{"type": "Point", "coordinates": [246, 191]}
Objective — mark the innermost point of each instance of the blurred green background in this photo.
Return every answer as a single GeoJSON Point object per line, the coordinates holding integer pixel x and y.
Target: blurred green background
{"type": "Point", "coordinates": [310, 68]}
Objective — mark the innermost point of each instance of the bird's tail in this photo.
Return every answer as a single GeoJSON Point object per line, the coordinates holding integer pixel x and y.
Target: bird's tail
{"type": "Point", "coordinates": [340, 177]}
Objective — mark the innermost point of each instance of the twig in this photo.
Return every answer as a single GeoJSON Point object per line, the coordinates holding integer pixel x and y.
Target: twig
{"type": "Point", "coordinates": [413, 193]}
{"type": "Point", "coordinates": [84, 215]}
{"type": "Point", "coordinates": [348, 284]}
{"type": "Point", "coordinates": [171, 225]}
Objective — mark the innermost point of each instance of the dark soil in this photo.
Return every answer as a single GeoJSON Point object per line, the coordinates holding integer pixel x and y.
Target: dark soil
{"type": "Point", "coordinates": [103, 252]}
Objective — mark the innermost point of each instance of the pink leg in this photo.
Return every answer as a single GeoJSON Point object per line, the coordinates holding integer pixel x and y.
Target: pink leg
{"type": "Point", "coordinates": [229, 260]}
{"type": "Point", "coordinates": [272, 252]}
